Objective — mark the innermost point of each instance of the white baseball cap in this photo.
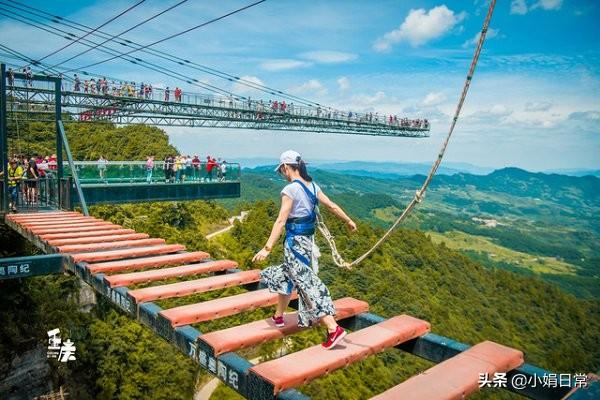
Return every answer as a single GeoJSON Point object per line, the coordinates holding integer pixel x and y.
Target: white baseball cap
{"type": "Point", "coordinates": [288, 157]}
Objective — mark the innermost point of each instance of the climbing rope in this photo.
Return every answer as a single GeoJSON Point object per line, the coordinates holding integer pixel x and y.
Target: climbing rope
{"type": "Point", "coordinates": [419, 194]}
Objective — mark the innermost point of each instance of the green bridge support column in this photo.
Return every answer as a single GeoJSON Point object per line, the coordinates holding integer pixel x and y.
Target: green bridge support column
{"type": "Point", "coordinates": [3, 139]}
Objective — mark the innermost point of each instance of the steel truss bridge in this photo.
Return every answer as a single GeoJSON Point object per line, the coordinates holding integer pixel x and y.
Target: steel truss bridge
{"type": "Point", "coordinates": [204, 111]}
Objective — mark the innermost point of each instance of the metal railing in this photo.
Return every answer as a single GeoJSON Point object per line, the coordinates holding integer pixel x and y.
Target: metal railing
{"type": "Point", "coordinates": [33, 194]}
{"type": "Point", "coordinates": [94, 172]}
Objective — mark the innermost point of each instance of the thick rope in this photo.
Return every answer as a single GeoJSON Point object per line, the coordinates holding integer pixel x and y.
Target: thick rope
{"type": "Point", "coordinates": [419, 194]}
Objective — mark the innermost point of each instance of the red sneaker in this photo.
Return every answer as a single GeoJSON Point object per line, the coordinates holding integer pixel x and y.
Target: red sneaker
{"type": "Point", "coordinates": [334, 338]}
{"type": "Point", "coordinates": [278, 321]}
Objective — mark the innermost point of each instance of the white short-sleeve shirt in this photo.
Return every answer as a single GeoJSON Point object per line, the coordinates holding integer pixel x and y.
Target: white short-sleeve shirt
{"type": "Point", "coordinates": [301, 204]}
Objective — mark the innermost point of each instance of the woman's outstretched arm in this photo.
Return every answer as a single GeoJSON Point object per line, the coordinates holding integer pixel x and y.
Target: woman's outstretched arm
{"type": "Point", "coordinates": [278, 226]}
{"type": "Point", "coordinates": [337, 210]}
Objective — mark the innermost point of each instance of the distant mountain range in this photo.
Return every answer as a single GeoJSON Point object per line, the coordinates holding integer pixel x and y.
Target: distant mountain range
{"type": "Point", "coordinates": [390, 169]}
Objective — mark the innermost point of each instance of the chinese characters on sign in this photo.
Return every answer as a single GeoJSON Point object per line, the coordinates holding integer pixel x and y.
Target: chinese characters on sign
{"type": "Point", "coordinates": [15, 269]}
{"type": "Point", "coordinates": [215, 366]}
{"type": "Point", "coordinates": [522, 381]}
{"type": "Point", "coordinates": [63, 351]}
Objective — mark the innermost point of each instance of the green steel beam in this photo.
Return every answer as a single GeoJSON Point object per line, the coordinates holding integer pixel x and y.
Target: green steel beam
{"type": "Point", "coordinates": [3, 139]}
{"type": "Point", "coordinates": [65, 142]}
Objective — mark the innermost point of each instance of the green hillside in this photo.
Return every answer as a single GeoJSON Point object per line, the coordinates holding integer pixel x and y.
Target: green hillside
{"type": "Point", "coordinates": [120, 359]}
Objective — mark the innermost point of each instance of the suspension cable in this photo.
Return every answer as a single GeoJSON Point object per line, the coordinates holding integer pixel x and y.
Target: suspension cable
{"type": "Point", "coordinates": [113, 37]}
{"type": "Point", "coordinates": [94, 30]}
{"type": "Point", "coordinates": [164, 55]}
{"type": "Point", "coordinates": [133, 60]}
{"type": "Point", "coordinates": [175, 34]}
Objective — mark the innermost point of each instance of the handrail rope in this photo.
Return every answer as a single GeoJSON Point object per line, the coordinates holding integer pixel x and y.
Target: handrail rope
{"type": "Point", "coordinates": [419, 194]}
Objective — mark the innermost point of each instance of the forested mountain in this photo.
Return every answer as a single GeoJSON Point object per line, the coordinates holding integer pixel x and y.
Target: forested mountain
{"type": "Point", "coordinates": [120, 359]}
{"type": "Point", "coordinates": [532, 223]}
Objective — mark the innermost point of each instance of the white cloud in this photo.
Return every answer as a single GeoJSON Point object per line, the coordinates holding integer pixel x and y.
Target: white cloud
{"type": "Point", "coordinates": [329, 57]}
{"type": "Point", "coordinates": [343, 83]}
{"type": "Point", "coordinates": [240, 88]}
{"type": "Point", "coordinates": [548, 4]}
{"type": "Point", "coordinates": [366, 100]}
{"type": "Point", "coordinates": [518, 7]}
{"type": "Point", "coordinates": [491, 33]}
{"type": "Point", "coordinates": [419, 27]}
{"type": "Point", "coordinates": [534, 106]}
{"type": "Point", "coordinates": [433, 99]}
{"type": "Point", "coordinates": [283, 64]}
{"type": "Point", "coordinates": [312, 86]}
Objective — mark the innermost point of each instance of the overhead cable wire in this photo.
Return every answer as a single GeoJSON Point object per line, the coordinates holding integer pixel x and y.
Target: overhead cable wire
{"type": "Point", "coordinates": [167, 56]}
{"type": "Point", "coordinates": [113, 37]}
{"type": "Point", "coordinates": [94, 30]}
{"type": "Point", "coordinates": [133, 60]}
{"type": "Point", "coordinates": [211, 21]}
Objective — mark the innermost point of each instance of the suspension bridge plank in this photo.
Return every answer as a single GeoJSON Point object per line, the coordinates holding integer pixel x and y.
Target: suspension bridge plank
{"type": "Point", "coordinates": [36, 220]}
{"type": "Point", "coordinates": [186, 288]}
{"type": "Point", "coordinates": [133, 278]}
{"type": "Point", "coordinates": [147, 262]}
{"type": "Point", "coordinates": [42, 215]}
{"type": "Point", "coordinates": [71, 235]}
{"type": "Point", "coordinates": [97, 239]}
{"type": "Point", "coordinates": [219, 308]}
{"type": "Point", "coordinates": [264, 330]}
{"type": "Point", "coordinates": [303, 366]}
{"type": "Point", "coordinates": [74, 248]}
{"type": "Point", "coordinates": [457, 377]}
{"type": "Point", "coordinates": [87, 227]}
{"type": "Point", "coordinates": [58, 222]}
{"type": "Point", "coordinates": [120, 254]}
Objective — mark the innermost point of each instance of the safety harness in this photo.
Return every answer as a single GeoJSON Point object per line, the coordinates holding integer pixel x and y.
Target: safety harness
{"type": "Point", "coordinates": [304, 226]}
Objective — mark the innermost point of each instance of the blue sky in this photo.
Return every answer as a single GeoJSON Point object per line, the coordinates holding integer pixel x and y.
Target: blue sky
{"type": "Point", "coordinates": [533, 103]}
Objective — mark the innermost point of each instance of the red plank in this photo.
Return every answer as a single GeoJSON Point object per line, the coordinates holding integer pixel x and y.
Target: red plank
{"type": "Point", "coordinates": [47, 220]}
{"type": "Point", "coordinates": [166, 273]}
{"type": "Point", "coordinates": [126, 253]}
{"type": "Point", "coordinates": [59, 222]}
{"type": "Point", "coordinates": [219, 308]}
{"type": "Point", "coordinates": [74, 248]}
{"type": "Point", "coordinates": [147, 262]}
{"type": "Point", "coordinates": [98, 239]}
{"type": "Point", "coordinates": [87, 227]}
{"type": "Point", "coordinates": [71, 235]}
{"type": "Point", "coordinates": [303, 366]}
{"type": "Point", "coordinates": [41, 215]}
{"type": "Point", "coordinates": [258, 332]}
{"type": "Point", "coordinates": [457, 377]}
{"type": "Point", "coordinates": [186, 288]}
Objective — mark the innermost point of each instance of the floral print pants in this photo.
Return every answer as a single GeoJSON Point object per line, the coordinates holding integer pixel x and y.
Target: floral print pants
{"type": "Point", "coordinates": [314, 299]}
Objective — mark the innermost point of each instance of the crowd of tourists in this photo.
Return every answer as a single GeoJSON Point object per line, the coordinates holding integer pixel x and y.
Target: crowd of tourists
{"type": "Point", "coordinates": [177, 169]}
{"type": "Point", "coordinates": [185, 167]}
{"type": "Point", "coordinates": [26, 175]}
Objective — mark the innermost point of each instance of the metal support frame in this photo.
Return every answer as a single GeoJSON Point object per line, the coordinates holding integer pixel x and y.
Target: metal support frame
{"type": "Point", "coordinates": [3, 139]}
{"type": "Point", "coordinates": [86, 107]}
{"type": "Point", "coordinates": [63, 138]}
{"type": "Point", "coordinates": [233, 369]}
{"type": "Point", "coordinates": [55, 96]}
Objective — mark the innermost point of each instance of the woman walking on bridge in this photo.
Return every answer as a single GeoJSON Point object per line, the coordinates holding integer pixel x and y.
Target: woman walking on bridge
{"type": "Point", "coordinates": [298, 216]}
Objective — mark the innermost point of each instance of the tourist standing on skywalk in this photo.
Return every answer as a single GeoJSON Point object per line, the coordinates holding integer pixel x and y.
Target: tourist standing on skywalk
{"type": "Point", "coordinates": [299, 200]}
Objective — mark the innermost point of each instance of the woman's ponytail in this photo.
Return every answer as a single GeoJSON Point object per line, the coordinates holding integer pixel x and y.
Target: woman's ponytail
{"type": "Point", "coordinates": [302, 170]}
